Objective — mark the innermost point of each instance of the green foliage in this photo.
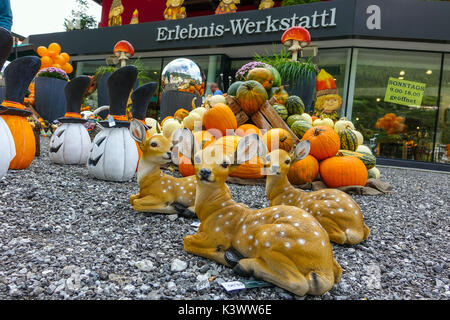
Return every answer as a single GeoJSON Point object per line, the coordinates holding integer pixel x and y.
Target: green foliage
{"type": "Point", "coordinates": [290, 71]}
{"type": "Point", "coordinates": [102, 70]}
{"type": "Point", "coordinates": [80, 19]}
{"type": "Point", "coordinates": [142, 73]}
{"type": "Point", "coordinates": [286, 3]}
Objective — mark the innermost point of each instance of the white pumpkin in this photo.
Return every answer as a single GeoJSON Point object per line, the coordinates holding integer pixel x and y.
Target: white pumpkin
{"type": "Point", "coordinates": [374, 173]}
{"type": "Point", "coordinates": [153, 125]}
{"type": "Point", "coordinates": [192, 120]}
{"type": "Point", "coordinates": [113, 155]}
{"type": "Point", "coordinates": [170, 125]}
{"type": "Point", "coordinates": [70, 144]}
{"type": "Point", "coordinates": [323, 122]}
{"type": "Point", "coordinates": [7, 146]}
{"type": "Point", "coordinates": [363, 148]}
{"type": "Point", "coordinates": [212, 100]}
{"type": "Point", "coordinates": [307, 117]}
{"type": "Point", "coordinates": [359, 136]}
{"type": "Point", "coordinates": [342, 124]}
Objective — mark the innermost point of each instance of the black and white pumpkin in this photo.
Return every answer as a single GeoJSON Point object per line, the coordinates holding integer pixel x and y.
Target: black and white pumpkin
{"type": "Point", "coordinates": [113, 155]}
{"type": "Point", "coordinates": [70, 143]}
{"type": "Point", "coordinates": [6, 139]}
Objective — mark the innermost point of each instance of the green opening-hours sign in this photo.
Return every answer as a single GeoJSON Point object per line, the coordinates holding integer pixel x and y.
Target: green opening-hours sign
{"type": "Point", "coordinates": [407, 93]}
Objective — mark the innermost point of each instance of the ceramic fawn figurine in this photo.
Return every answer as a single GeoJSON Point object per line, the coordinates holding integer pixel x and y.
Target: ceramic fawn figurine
{"type": "Point", "coordinates": [159, 192]}
{"type": "Point", "coordinates": [336, 211]}
{"type": "Point", "coordinates": [283, 245]}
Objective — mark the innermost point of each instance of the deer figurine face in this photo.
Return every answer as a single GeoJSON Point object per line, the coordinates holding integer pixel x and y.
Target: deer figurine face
{"type": "Point", "coordinates": [336, 211]}
{"type": "Point", "coordinates": [283, 245]}
{"type": "Point", "coordinates": [158, 192]}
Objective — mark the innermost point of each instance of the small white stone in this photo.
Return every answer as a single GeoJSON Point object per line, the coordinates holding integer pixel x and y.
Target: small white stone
{"type": "Point", "coordinates": [244, 226]}
{"type": "Point", "coordinates": [350, 205]}
{"type": "Point", "coordinates": [289, 217]}
{"type": "Point", "coordinates": [256, 242]}
{"type": "Point", "coordinates": [169, 187]}
{"type": "Point", "coordinates": [316, 205]}
{"type": "Point", "coordinates": [331, 211]}
{"type": "Point", "coordinates": [323, 243]}
{"type": "Point", "coordinates": [275, 209]}
{"type": "Point", "coordinates": [296, 224]}
{"type": "Point", "coordinates": [258, 214]}
{"type": "Point", "coordinates": [341, 210]}
{"type": "Point", "coordinates": [249, 248]}
{"type": "Point", "coordinates": [291, 195]}
{"type": "Point", "coordinates": [305, 215]}
{"type": "Point", "coordinates": [250, 237]}
{"type": "Point", "coordinates": [164, 190]}
{"type": "Point", "coordinates": [227, 222]}
{"type": "Point", "coordinates": [337, 199]}
{"type": "Point", "coordinates": [220, 216]}
{"type": "Point", "coordinates": [278, 225]}
{"type": "Point", "coordinates": [276, 216]}
{"type": "Point", "coordinates": [162, 182]}
{"type": "Point", "coordinates": [316, 233]}
{"type": "Point", "coordinates": [217, 229]}
{"type": "Point", "coordinates": [287, 244]}
{"type": "Point", "coordinates": [264, 233]}
{"type": "Point", "coordinates": [284, 196]}
{"type": "Point", "coordinates": [282, 234]}
{"type": "Point", "coordinates": [230, 213]}
{"type": "Point", "coordinates": [223, 204]}
{"type": "Point", "coordinates": [301, 241]}
{"type": "Point", "coordinates": [267, 244]}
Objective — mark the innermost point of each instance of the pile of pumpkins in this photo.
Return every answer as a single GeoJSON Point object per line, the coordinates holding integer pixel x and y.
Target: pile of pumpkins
{"type": "Point", "coordinates": [337, 153]}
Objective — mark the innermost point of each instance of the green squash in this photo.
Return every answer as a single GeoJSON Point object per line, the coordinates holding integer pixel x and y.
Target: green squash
{"type": "Point", "coordinates": [295, 117]}
{"type": "Point", "coordinates": [295, 105]}
{"type": "Point", "coordinates": [281, 110]}
{"type": "Point", "coordinates": [349, 140]}
{"type": "Point", "coordinates": [300, 127]}
{"type": "Point", "coordinates": [369, 160]}
{"type": "Point", "coordinates": [374, 173]}
{"type": "Point", "coordinates": [276, 77]}
{"type": "Point", "coordinates": [233, 88]}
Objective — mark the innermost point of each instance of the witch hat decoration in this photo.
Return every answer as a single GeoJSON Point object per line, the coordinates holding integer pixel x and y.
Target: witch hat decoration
{"type": "Point", "coordinates": [6, 42]}
{"type": "Point", "coordinates": [18, 76]}
{"type": "Point", "coordinates": [141, 98]}
{"type": "Point", "coordinates": [75, 91]}
{"type": "Point", "coordinates": [120, 84]}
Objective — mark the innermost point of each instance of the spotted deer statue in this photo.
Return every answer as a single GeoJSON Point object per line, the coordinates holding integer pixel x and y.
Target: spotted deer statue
{"type": "Point", "coordinates": [336, 211]}
{"type": "Point", "coordinates": [159, 192]}
{"type": "Point", "coordinates": [283, 245]}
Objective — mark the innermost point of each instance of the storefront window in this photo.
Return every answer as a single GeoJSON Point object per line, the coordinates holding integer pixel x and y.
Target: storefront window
{"type": "Point", "coordinates": [442, 150]}
{"type": "Point", "coordinates": [400, 129]}
{"type": "Point", "coordinates": [337, 63]}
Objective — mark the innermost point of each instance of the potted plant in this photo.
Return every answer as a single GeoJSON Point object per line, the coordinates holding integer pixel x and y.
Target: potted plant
{"type": "Point", "coordinates": [298, 77]}
{"type": "Point", "coordinates": [50, 99]}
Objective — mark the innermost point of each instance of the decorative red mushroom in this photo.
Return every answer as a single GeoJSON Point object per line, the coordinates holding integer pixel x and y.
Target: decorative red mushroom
{"type": "Point", "coordinates": [296, 38]}
{"type": "Point", "coordinates": [123, 50]}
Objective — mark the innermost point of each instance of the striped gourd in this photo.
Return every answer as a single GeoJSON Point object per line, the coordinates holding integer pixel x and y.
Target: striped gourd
{"type": "Point", "coordinates": [349, 140]}
{"type": "Point", "coordinates": [299, 127]}
{"type": "Point", "coordinates": [291, 119]}
{"type": "Point", "coordinates": [295, 105]}
{"type": "Point", "coordinates": [369, 160]}
{"type": "Point", "coordinates": [281, 110]}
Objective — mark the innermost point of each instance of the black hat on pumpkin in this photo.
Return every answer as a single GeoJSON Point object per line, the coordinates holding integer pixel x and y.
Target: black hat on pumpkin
{"type": "Point", "coordinates": [18, 76]}
{"type": "Point", "coordinates": [141, 98]}
{"type": "Point", "coordinates": [75, 91]}
{"type": "Point", "coordinates": [120, 84]}
{"type": "Point", "coordinates": [6, 42]}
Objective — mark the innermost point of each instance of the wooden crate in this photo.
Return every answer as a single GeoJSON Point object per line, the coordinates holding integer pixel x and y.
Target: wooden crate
{"type": "Point", "coordinates": [266, 117]}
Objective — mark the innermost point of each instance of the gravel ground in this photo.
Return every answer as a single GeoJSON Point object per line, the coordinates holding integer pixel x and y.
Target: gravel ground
{"type": "Point", "coordinates": [66, 235]}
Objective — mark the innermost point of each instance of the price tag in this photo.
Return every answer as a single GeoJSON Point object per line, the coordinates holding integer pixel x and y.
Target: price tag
{"type": "Point", "coordinates": [233, 285]}
{"type": "Point", "coordinates": [111, 121]}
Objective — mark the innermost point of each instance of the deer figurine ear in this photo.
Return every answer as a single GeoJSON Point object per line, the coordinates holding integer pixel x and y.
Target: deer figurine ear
{"type": "Point", "coordinates": [302, 150]}
{"type": "Point", "coordinates": [249, 147]}
{"type": "Point", "coordinates": [138, 132]}
{"type": "Point", "coordinates": [185, 142]}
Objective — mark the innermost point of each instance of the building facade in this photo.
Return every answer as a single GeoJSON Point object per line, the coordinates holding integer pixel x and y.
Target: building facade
{"type": "Point", "coordinates": [371, 47]}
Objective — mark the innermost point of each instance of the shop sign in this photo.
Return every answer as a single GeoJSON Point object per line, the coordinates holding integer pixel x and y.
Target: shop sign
{"type": "Point", "coordinates": [248, 26]}
{"type": "Point", "coordinates": [404, 92]}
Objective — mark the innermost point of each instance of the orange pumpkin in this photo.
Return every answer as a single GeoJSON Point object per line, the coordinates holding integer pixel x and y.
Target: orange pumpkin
{"type": "Point", "coordinates": [340, 171]}
{"type": "Point", "coordinates": [180, 114]}
{"type": "Point", "coordinates": [185, 166]}
{"type": "Point", "coordinates": [251, 96]}
{"type": "Point", "coordinates": [278, 138]}
{"type": "Point", "coordinates": [249, 170]}
{"type": "Point", "coordinates": [228, 144]}
{"type": "Point", "coordinates": [263, 76]}
{"type": "Point", "coordinates": [24, 140]}
{"type": "Point", "coordinates": [325, 142]}
{"type": "Point", "coordinates": [203, 138]}
{"type": "Point", "coordinates": [246, 129]}
{"type": "Point", "coordinates": [313, 118]}
{"type": "Point", "coordinates": [304, 171]}
{"type": "Point", "coordinates": [218, 119]}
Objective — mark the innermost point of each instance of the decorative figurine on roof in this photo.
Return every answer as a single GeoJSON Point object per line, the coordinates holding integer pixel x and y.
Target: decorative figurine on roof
{"type": "Point", "coordinates": [135, 17]}
{"type": "Point", "coordinates": [227, 6]}
{"type": "Point", "coordinates": [174, 10]}
{"type": "Point", "coordinates": [115, 13]}
{"type": "Point", "coordinates": [266, 4]}
{"type": "Point", "coordinates": [328, 101]}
